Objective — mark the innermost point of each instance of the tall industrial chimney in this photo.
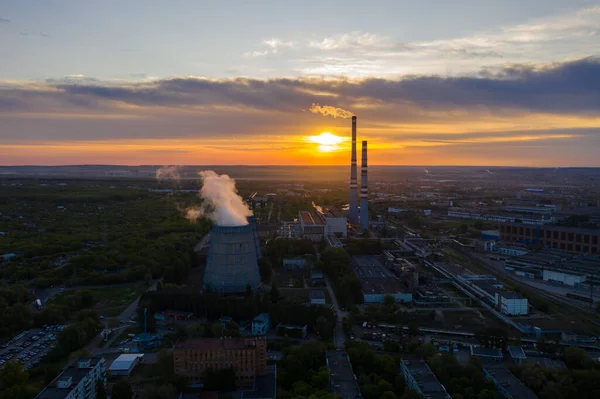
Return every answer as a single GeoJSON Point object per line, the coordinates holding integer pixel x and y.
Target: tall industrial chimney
{"type": "Point", "coordinates": [353, 178]}
{"type": "Point", "coordinates": [364, 190]}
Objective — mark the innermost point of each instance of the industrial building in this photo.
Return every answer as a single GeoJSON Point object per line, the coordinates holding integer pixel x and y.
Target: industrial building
{"type": "Point", "coordinates": [555, 266]}
{"type": "Point", "coordinates": [419, 377]}
{"type": "Point", "coordinates": [78, 380]}
{"type": "Point", "coordinates": [125, 364]}
{"type": "Point", "coordinates": [336, 223]}
{"type": "Point", "coordinates": [486, 353]}
{"type": "Point", "coordinates": [247, 356]}
{"type": "Point", "coordinates": [261, 324]}
{"type": "Point", "coordinates": [512, 304]}
{"type": "Point", "coordinates": [312, 226]}
{"type": "Point", "coordinates": [232, 262]}
{"type": "Point", "coordinates": [364, 190]}
{"type": "Point", "coordinates": [497, 217]}
{"type": "Point", "coordinates": [490, 290]}
{"type": "Point", "coordinates": [353, 211]}
{"type": "Point", "coordinates": [341, 376]}
{"type": "Point", "coordinates": [585, 241]}
{"type": "Point", "coordinates": [378, 282]}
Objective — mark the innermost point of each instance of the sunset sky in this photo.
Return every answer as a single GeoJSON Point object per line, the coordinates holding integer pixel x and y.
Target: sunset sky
{"type": "Point", "coordinates": [437, 82]}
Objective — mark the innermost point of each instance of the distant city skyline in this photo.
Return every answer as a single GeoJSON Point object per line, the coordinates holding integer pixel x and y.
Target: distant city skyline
{"type": "Point", "coordinates": [200, 82]}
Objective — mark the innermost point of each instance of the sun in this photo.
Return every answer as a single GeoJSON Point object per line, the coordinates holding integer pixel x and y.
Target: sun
{"type": "Point", "coordinates": [327, 141]}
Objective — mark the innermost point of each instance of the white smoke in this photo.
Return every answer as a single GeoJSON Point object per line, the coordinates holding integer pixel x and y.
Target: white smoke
{"type": "Point", "coordinates": [328, 110]}
{"type": "Point", "coordinates": [221, 204]}
{"type": "Point", "coordinates": [168, 173]}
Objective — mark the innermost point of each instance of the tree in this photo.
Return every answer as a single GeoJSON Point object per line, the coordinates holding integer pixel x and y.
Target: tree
{"type": "Point", "coordinates": [113, 322]}
{"type": "Point", "coordinates": [148, 278]}
{"type": "Point", "coordinates": [265, 268]}
{"type": "Point", "coordinates": [274, 294]}
{"type": "Point", "coordinates": [100, 389]}
{"type": "Point", "coordinates": [388, 395]}
{"type": "Point", "coordinates": [13, 374]}
{"type": "Point", "coordinates": [411, 394]}
{"type": "Point", "coordinates": [122, 390]}
{"type": "Point", "coordinates": [219, 380]}
{"type": "Point", "coordinates": [165, 391]}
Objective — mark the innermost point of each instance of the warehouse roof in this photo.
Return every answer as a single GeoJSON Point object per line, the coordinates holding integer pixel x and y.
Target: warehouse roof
{"type": "Point", "coordinates": [310, 218]}
{"type": "Point", "coordinates": [125, 361]}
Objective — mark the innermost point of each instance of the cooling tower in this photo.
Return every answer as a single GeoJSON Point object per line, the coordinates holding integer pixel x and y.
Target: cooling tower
{"type": "Point", "coordinates": [232, 259]}
{"type": "Point", "coordinates": [353, 178]}
{"type": "Point", "coordinates": [364, 190]}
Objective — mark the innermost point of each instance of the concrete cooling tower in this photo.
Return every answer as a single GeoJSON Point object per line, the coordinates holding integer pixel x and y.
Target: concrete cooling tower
{"type": "Point", "coordinates": [233, 259]}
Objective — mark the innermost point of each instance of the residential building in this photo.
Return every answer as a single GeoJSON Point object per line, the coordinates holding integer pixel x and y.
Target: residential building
{"type": "Point", "coordinates": [261, 324]}
{"type": "Point", "coordinates": [247, 356]}
{"type": "Point", "coordinates": [419, 377]}
{"type": "Point", "coordinates": [77, 381]}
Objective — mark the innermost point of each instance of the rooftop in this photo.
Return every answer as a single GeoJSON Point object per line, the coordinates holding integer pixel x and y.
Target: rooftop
{"type": "Point", "coordinates": [205, 344]}
{"type": "Point", "coordinates": [317, 294]}
{"type": "Point", "coordinates": [425, 379]}
{"type": "Point", "coordinates": [343, 381]}
{"type": "Point", "coordinates": [331, 212]}
{"type": "Point", "coordinates": [516, 352]}
{"type": "Point", "coordinates": [486, 352]}
{"type": "Point", "coordinates": [310, 218]}
{"type": "Point", "coordinates": [125, 361]}
{"type": "Point", "coordinates": [509, 382]}
{"type": "Point", "coordinates": [73, 372]}
{"type": "Point", "coordinates": [262, 318]}
{"type": "Point", "coordinates": [511, 295]}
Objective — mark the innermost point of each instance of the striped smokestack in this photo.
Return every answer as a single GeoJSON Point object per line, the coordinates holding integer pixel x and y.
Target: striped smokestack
{"type": "Point", "coordinates": [353, 178]}
{"type": "Point", "coordinates": [364, 190]}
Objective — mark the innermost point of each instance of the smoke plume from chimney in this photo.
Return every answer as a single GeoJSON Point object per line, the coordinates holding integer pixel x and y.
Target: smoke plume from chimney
{"type": "Point", "coordinates": [167, 173]}
{"type": "Point", "coordinates": [328, 110]}
{"type": "Point", "coordinates": [221, 204]}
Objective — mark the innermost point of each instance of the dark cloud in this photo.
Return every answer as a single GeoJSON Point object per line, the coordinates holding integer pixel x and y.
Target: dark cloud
{"type": "Point", "coordinates": [4, 20]}
{"type": "Point", "coordinates": [566, 88]}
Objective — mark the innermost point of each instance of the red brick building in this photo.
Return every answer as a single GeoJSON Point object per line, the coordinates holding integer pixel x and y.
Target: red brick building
{"type": "Point", "coordinates": [247, 356]}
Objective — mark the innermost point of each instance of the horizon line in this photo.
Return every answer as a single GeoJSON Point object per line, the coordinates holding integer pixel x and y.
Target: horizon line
{"type": "Point", "coordinates": [288, 165]}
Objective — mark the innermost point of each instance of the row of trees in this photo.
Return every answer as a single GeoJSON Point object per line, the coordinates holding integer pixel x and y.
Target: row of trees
{"type": "Point", "coordinates": [318, 319]}
{"type": "Point", "coordinates": [347, 286]}
{"type": "Point", "coordinates": [15, 310]}
{"type": "Point", "coordinates": [379, 377]}
{"type": "Point", "coordinates": [302, 373]}
{"type": "Point", "coordinates": [580, 380]}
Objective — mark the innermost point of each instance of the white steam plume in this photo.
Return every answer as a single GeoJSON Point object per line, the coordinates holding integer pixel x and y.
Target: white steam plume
{"type": "Point", "coordinates": [222, 204]}
{"type": "Point", "coordinates": [167, 173]}
{"type": "Point", "coordinates": [328, 110]}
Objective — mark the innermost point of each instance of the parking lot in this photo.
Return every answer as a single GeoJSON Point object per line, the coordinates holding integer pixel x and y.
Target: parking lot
{"type": "Point", "coordinates": [30, 346]}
